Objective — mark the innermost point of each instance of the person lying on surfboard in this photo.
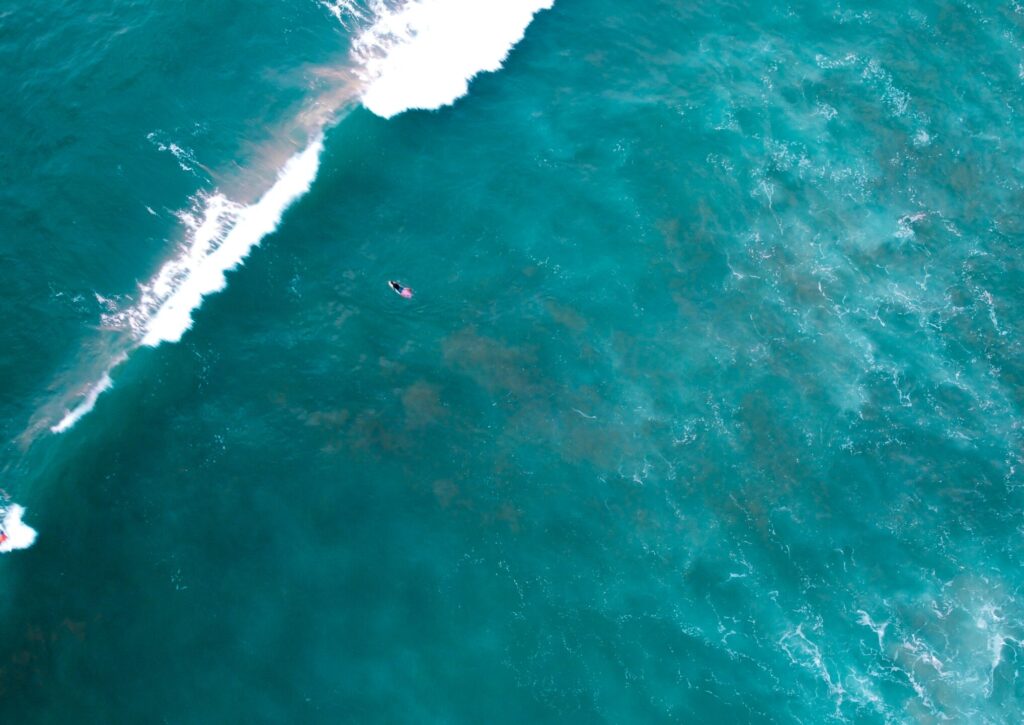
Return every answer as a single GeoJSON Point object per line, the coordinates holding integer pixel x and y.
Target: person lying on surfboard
{"type": "Point", "coordinates": [405, 292]}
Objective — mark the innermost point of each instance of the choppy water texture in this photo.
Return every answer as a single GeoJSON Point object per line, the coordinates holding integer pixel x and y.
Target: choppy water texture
{"type": "Point", "coordinates": [707, 407]}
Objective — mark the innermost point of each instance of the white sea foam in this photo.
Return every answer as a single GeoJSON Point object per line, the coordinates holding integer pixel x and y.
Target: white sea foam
{"type": "Point", "coordinates": [89, 401]}
{"type": "Point", "coordinates": [879, 629]}
{"type": "Point", "coordinates": [421, 54]}
{"type": "Point", "coordinates": [218, 238]}
{"type": "Point", "coordinates": [219, 241]}
{"type": "Point", "coordinates": [19, 534]}
{"type": "Point", "coordinates": [186, 158]}
{"type": "Point", "coordinates": [424, 53]}
{"type": "Point", "coordinates": [416, 54]}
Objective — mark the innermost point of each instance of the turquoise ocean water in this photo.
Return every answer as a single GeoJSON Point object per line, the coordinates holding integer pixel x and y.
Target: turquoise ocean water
{"type": "Point", "coordinates": [708, 406]}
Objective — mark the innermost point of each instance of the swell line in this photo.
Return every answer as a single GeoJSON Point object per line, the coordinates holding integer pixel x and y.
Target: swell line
{"type": "Point", "coordinates": [418, 55]}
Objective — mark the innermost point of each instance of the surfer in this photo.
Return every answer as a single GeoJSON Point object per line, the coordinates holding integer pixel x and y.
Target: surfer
{"type": "Point", "coordinates": [405, 292]}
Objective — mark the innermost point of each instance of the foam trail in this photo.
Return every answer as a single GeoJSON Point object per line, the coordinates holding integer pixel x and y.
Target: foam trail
{"type": "Point", "coordinates": [80, 410]}
{"type": "Point", "coordinates": [424, 53]}
{"type": "Point", "coordinates": [19, 534]}
{"type": "Point", "coordinates": [221, 242]}
{"type": "Point", "coordinates": [218, 241]}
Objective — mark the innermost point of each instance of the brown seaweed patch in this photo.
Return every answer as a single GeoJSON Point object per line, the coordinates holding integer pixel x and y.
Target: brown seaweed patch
{"type": "Point", "coordinates": [591, 442]}
{"type": "Point", "coordinates": [422, 404]}
{"type": "Point", "coordinates": [371, 431]}
{"type": "Point", "coordinates": [450, 496]}
{"type": "Point", "coordinates": [510, 515]}
{"type": "Point", "coordinates": [390, 365]}
{"type": "Point", "coordinates": [317, 418]}
{"type": "Point", "coordinates": [492, 365]}
{"type": "Point", "coordinates": [75, 628]}
{"type": "Point", "coordinates": [39, 644]}
{"type": "Point", "coordinates": [338, 311]}
{"type": "Point", "coordinates": [565, 316]}
{"type": "Point", "coordinates": [669, 229]}
{"type": "Point", "coordinates": [445, 492]}
{"type": "Point", "coordinates": [327, 418]}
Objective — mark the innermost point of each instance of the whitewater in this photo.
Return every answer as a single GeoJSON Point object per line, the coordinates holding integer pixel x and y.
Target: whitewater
{"type": "Point", "coordinates": [411, 56]}
{"type": "Point", "coordinates": [414, 56]}
{"type": "Point", "coordinates": [17, 534]}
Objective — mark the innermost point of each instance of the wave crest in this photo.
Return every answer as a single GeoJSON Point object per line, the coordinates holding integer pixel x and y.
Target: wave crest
{"type": "Point", "coordinates": [416, 54]}
{"type": "Point", "coordinates": [220, 236]}
{"type": "Point", "coordinates": [423, 54]}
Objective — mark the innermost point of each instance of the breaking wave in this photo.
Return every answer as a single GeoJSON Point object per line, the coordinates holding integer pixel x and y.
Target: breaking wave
{"type": "Point", "coordinates": [220, 239]}
{"type": "Point", "coordinates": [17, 534]}
{"type": "Point", "coordinates": [419, 54]}
{"type": "Point", "coordinates": [89, 401]}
